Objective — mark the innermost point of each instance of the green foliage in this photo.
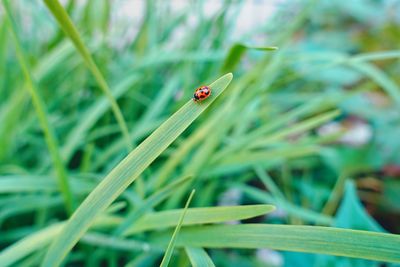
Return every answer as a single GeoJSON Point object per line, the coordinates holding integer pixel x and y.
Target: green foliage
{"type": "Point", "coordinates": [100, 141]}
{"type": "Point", "coordinates": [40, 109]}
{"type": "Point", "coordinates": [314, 239]}
{"type": "Point", "coordinates": [198, 257]}
{"type": "Point", "coordinates": [168, 253]}
{"type": "Point", "coordinates": [126, 172]}
{"type": "Point", "coordinates": [194, 216]}
{"type": "Point", "coordinates": [67, 25]}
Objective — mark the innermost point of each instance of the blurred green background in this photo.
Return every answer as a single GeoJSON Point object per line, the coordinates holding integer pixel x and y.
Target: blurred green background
{"type": "Point", "coordinates": [312, 128]}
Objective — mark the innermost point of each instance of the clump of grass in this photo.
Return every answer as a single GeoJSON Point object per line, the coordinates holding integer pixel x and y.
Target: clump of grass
{"type": "Point", "coordinates": [256, 141]}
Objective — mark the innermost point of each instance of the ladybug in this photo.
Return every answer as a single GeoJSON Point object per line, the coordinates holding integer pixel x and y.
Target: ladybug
{"type": "Point", "coordinates": [201, 93]}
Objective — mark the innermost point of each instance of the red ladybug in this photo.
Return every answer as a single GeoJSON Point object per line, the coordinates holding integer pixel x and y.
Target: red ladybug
{"type": "Point", "coordinates": [201, 93]}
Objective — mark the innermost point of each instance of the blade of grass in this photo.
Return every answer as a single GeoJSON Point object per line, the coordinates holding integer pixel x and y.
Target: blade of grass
{"type": "Point", "coordinates": [292, 209]}
{"type": "Point", "coordinates": [34, 183]}
{"type": "Point", "coordinates": [163, 219]}
{"type": "Point", "coordinates": [18, 207]}
{"type": "Point", "coordinates": [171, 244]}
{"type": "Point", "coordinates": [296, 129]}
{"type": "Point", "coordinates": [381, 78]}
{"type": "Point", "coordinates": [336, 194]}
{"type": "Point", "coordinates": [198, 257]}
{"type": "Point", "coordinates": [126, 172]}
{"type": "Point", "coordinates": [236, 52]}
{"type": "Point", "coordinates": [101, 240]}
{"type": "Point", "coordinates": [40, 109]}
{"type": "Point", "coordinates": [381, 55]}
{"type": "Point", "coordinates": [247, 159]}
{"type": "Point", "coordinates": [68, 27]}
{"type": "Point", "coordinates": [310, 239]}
{"type": "Point", "coordinates": [268, 182]}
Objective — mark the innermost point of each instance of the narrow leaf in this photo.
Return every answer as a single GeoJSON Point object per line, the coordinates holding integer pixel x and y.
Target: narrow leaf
{"type": "Point", "coordinates": [237, 51]}
{"type": "Point", "coordinates": [310, 239]}
{"type": "Point", "coordinates": [198, 257]}
{"type": "Point", "coordinates": [171, 244]}
{"type": "Point", "coordinates": [159, 220]}
{"type": "Point", "coordinates": [296, 129]}
{"type": "Point", "coordinates": [380, 77]}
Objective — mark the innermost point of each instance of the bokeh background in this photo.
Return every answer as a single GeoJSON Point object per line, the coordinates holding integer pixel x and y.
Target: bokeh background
{"type": "Point", "coordinates": [313, 128]}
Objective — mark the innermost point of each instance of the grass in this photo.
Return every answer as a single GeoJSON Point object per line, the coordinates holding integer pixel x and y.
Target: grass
{"type": "Point", "coordinates": [40, 109]}
{"type": "Point", "coordinates": [126, 172]}
{"type": "Point", "coordinates": [314, 239]}
{"type": "Point", "coordinates": [100, 141]}
{"type": "Point", "coordinates": [67, 25]}
{"type": "Point", "coordinates": [168, 252]}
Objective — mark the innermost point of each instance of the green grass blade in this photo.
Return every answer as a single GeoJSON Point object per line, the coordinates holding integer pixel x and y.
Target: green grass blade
{"type": "Point", "coordinates": [236, 52]}
{"type": "Point", "coordinates": [292, 209]}
{"type": "Point", "coordinates": [382, 55]}
{"type": "Point", "coordinates": [268, 182]}
{"type": "Point", "coordinates": [310, 239]}
{"type": "Point", "coordinates": [335, 195]}
{"type": "Point", "coordinates": [15, 184]}
{"type": "Point", "coordinates": [40, 109]}
{"type": "Point", "coordinates": [11, 184]}
{"type": "Point", "coordinates": [296, 129]}
{"type": "Point", "coordinates": [247, 159]}
{"type": "Point", "coordinates": [163, 219]}
{"type": "Point", "coordinates": [101, 240]}
{"type": "Point", "coordinates": [68, 27]}
{"type": "Point", "coordinates": [380, 77]}
{"type": "Point", "coordinates": [198, 257]}
{"type": "Point", "coordinates": [171, 244]}
{"type": "Point", "coordinates": [126, 172]}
